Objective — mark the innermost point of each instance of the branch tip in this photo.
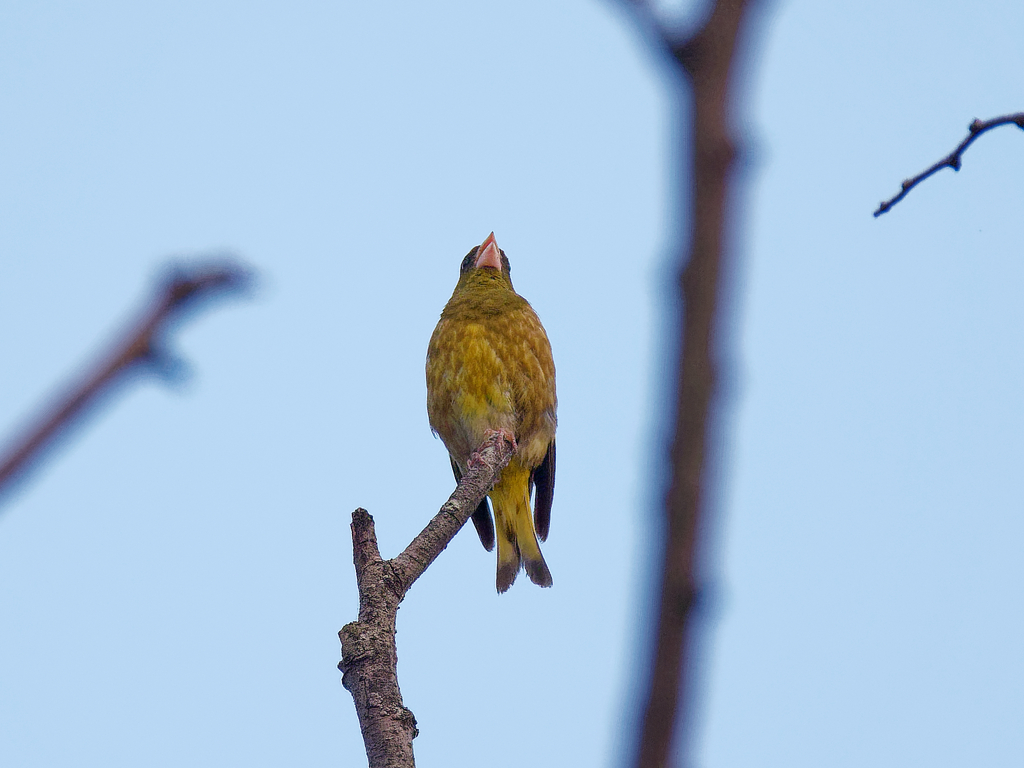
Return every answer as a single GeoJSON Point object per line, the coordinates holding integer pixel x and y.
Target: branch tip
{"type": "Point", "coordinates": [145, 345]}
{"type": "Point", "coordinates": [955, 159]}
{"type": "Point", "coordinates": [364, 542]}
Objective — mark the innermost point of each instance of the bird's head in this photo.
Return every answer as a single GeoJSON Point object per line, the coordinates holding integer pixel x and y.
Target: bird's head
{"type": "Point", "coordinates": [485, 267]}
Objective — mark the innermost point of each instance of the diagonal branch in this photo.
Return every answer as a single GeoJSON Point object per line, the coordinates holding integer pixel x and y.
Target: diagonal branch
{"type": "Point", "coordinates": [707, 59]}
{"type": "Point", "coordinates": [181, 288]}
{"type": "Point", "coordinates": [953, 159]}
{"type": "Point", "coordinates": [490, 459]}
{"type": "Point", "coordinates": [369, 656]}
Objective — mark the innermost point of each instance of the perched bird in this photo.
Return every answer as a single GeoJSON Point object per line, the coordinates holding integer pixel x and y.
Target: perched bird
{"type": "Point", "coordinates": [489, 367]}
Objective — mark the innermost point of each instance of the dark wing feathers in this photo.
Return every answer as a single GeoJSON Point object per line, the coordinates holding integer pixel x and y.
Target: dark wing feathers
{"type": "Point", "coordinates": [543, 477]}
{"type": "Point", "coordinates": [482, 517]}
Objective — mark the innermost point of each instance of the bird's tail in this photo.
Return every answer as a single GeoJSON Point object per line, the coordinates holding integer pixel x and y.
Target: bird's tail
{"type": "Point", "coordinates": [517, 540]}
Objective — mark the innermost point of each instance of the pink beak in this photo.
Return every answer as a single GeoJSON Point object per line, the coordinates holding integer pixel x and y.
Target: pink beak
{"type": "Point", "coordinates": [489, 255]}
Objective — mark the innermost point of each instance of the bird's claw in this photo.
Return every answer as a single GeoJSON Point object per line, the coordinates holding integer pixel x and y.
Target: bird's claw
{"type": "Point", "coordinates": [504, 434]}
{"type": "Point", "coordinates": [474, 458]}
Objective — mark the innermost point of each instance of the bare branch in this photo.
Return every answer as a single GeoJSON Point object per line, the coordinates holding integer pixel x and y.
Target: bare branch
{"type": "Point", "coordinates": [707, 59]}
{"type": "Point", "coordinates": [954, 158]}
{"type": "Point", "coordinates": [182, 287]}
{"type": "Point", "coordinates": [369, 656]}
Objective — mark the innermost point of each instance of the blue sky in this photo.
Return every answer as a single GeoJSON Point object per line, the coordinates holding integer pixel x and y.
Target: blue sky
{"type": "Point", "coordinates": [172, 581]}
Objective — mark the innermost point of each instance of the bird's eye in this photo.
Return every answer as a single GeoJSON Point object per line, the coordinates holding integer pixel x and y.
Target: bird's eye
{"type": "Point", "coordinates": [505, 265]}
{"type": "Point", "coordinates": [467, 263]}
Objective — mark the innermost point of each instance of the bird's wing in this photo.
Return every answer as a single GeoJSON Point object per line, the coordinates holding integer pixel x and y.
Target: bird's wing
{"type": "Point", "coordinates": [543, 478]}
{"type": "Point", "coordinates": [481, 518]}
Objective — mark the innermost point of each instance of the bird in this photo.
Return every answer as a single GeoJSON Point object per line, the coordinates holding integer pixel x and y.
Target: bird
{"type": "Point", "coordinates": [489, 368]}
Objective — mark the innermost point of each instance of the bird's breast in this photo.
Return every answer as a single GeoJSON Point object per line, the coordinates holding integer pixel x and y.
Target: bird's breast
{"type": "Point", "coordinates": [495, 373]}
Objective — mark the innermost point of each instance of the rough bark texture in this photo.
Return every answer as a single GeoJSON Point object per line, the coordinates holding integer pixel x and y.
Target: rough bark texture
{"type": "Point", "coordinates": [707, 60]}
{"type": "Point", "coordinates": [181, 288]}
{"type": "Point", "coordinates": [369, 656]}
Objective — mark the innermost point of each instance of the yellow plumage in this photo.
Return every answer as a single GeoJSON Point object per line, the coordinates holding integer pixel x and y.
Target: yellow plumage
{"type": "Point", "coordinates": [489, 367]}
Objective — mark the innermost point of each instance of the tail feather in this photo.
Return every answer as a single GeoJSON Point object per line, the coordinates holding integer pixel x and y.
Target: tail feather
{"type": "Point", "coordinates": [529, 549]}
{"type": "Point", "coordinates": [509, 560]}
{"type": "Point", "coordinates": [517, 539]}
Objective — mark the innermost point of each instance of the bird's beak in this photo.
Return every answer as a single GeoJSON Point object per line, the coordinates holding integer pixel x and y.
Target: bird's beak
{"type": "Point", "coordinates": [489, 255]}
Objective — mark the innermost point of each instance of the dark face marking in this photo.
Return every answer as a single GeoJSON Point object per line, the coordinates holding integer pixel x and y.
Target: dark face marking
{"type": "Point", "coordinates": [467, 263]}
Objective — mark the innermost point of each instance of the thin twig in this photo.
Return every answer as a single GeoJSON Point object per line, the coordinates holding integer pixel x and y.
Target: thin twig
{"type": "Point", "coordinates": [369, 656]}
{"type": "Point", "coordinates": [181, 287]}
{"type": "Point", "coordinates": [707, 60]}
{"type": "Point", "coordinates": [953, 159]}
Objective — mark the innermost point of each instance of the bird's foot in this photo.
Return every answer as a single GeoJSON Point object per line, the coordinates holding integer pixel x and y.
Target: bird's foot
{"type": "Point", "coordinates": [502, 434]}
{"type": "Point", "coordinates": [489, 435]}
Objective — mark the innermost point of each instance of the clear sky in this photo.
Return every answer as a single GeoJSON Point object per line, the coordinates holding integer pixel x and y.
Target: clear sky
{"type": "Point", "coordinates": [172, 581]}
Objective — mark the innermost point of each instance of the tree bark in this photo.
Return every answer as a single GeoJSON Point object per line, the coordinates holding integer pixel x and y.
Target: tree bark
{"type": "Point", "coordinates": [369, 656]}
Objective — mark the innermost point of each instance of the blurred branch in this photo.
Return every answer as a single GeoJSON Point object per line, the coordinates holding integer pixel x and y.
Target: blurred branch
{"type": "Point", "coordinates": [954, 158]}
{"type": "Point", "coordinates": [369, 656]}
{"type": "Point", "coordinates": [183, 287]}
{"type": "Point", "coordinates": [707, 59]}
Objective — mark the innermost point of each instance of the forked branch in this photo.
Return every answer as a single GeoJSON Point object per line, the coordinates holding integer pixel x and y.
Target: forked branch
{"type": "Point", "coordinates": [955, 158]}
{"type": "Point", "coordinates": [369, 656]}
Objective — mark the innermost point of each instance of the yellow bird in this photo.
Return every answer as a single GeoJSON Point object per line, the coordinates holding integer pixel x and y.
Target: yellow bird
{"type": "Point", "coordinates": [489, 367]}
